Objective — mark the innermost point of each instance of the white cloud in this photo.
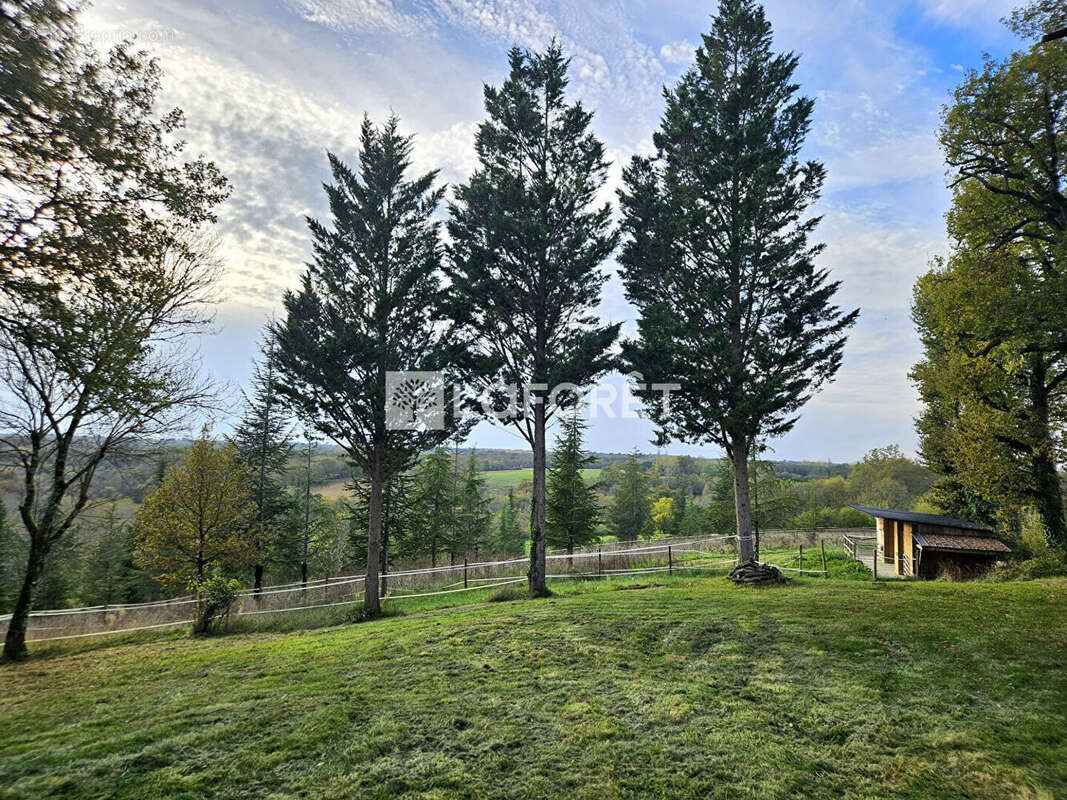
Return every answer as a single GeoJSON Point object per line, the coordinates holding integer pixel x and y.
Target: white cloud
{"type": "Point", "coordinates": [267, 89]}
{"type": "Point", "coordinates": [358, 15]}
{"type": "Point", "coordinates": [680, 52]}
{"type": "Point", "coordinates": [969, 11]}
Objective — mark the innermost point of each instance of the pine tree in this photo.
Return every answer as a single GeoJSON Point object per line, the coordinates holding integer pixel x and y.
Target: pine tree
{"type": "Point", "coordinates": [107, 572]}
{"type": "Point", "coordinates": [510, 538]}
{"type": "Point", "coordinates": [573, 513]}
{"type": "Point", "coordinates": [434, 502]}
{"type": "Point", "coordinates": [370, 305]}
{"type": "Point", "coordinates": [528, 243]}
{"type": "Point", "coordinates": [473, 517]}
{"type": "Point", "coordinates": [717, 258]}
{"type": "Point", "coordinates": [631, 510]}
{"type": "Point", "coordinates": [262, 438]}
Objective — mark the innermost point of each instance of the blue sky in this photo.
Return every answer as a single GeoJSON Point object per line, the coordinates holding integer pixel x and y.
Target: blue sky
{"type": "Point", "coordinates": [269, 85]}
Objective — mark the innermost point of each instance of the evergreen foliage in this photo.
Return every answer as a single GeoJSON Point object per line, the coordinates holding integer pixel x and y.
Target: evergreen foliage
{"type": "Point", "coordinates": [717, 257]}
{"type": "Point", "coordinates": [473, 519]}
{"type": "Point", "coordinates": [573, 514]}
{"type": "Point", "coordinates": [369, 304]}
{"type": "Point", "coordinates": [262, 439]}
{"type": "Point", "coordinates": [630, 516]}
{"type": "Point", "coordinates": [510, 538]}
{"type": "Point", "coordinates": [528, 242]}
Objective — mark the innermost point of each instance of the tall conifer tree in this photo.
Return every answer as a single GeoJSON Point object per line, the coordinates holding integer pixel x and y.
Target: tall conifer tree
{"type": "Point", "coordinates": [717, 258]}
{"type": "Point", "coordinates": [573, 513]}
{"type": "Point", "coordinates": [263, 442]}
{"type": "Point", "coordinates": [434, 502]}
{"type": "Point", "coordinates": [630, 514]}
{"type": "Point", "coordinates": [369, 304]}
{"type": "Point", "coordinates": [509, 537]}
{"type": "Point", "coordinates": [528, 242]}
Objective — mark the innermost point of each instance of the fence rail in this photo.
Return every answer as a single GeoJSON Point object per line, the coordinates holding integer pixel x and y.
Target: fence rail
{"type": "Point", "coordinates": [606, 559]}
{"type": "Point", "coordinates": [661, 555]}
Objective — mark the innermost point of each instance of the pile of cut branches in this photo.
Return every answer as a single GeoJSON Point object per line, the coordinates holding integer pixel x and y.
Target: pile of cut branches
{"type": "Point", "coordinates": [752, 573]}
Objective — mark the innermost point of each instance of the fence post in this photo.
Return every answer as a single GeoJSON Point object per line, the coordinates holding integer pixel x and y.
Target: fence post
{"type": "Point", "coordinates": [874, 560]}
{"type": "Point", "coordinates": [822, 546]}
{"type": "Point", "coordinates": [464, 570]}
{"type": "Point", "coordinates": [801, 564]}
{"type": "Point", "coordinates": [670, 560]}
{"type": "Point", "coordinates": [599, 559]}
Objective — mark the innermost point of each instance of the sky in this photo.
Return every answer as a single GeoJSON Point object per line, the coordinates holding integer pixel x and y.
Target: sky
{"type": "Point", "coordinates": [269, 86]}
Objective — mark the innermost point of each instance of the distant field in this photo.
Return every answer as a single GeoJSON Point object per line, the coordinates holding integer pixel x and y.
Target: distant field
{"type": "Point", "coordinates": [332, 491]}
{"type": "Point", "coordinates": [655, 687]}
{"type": "Point", "coordinates": [503, 478]}
{"type": "Point", "coordinates": [494, 479]}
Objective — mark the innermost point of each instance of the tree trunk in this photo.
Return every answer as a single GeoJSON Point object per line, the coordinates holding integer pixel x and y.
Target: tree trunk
{"type": "Point", "coordinates": [304, 573]}
{"type": "Point", "coordinates": [257, 581]}
{"type": "Point", "coordinates": [15, 640]}
{"type": "Point", "coordinates": [385, 560]}
{"type": "Point", "coordinates": [742, 503]}
{"type": "Point", "coordinates": [1048, 495]}
{"type": "Point", "coordinates": [1049, 501]}
{"type": "Point", "coordinates": [537, 535]}
{"type": "Point", "coordinates": [371, 602]}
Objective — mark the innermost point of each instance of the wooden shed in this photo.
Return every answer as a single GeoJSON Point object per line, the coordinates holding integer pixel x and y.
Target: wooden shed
{"type": "Point", "coordinates": [924, 544]}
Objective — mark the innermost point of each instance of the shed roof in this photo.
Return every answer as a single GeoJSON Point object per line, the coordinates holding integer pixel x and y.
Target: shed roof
{"type": "Point", "coordinates": [975, 544]}
{"type": "Point", "coordinates": [923, 519]}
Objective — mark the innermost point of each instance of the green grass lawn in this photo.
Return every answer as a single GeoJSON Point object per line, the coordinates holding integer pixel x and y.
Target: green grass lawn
{"type": "Point", "coordinates": [656, 687]}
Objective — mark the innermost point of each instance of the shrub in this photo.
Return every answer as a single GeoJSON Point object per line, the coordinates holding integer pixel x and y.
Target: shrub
{"type": "Point", "coordinates": [217, 595]}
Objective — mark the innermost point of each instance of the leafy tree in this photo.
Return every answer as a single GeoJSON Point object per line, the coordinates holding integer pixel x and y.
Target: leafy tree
{"type": "Point", "coordinates": [663, 516]}
{"type": "Point", "coordinates": [93, 182]}
{"type": "Point", "coordinates": [991, 317]}
{"type": "Point", "coordinates": [201, 517]}
{"type": "Point", "coordinates": [573, 513]}
{"type": "Point", "coordinates": [717, 258]}
{"type": "Point", "coordinates": [510, 538]}
{"type": "Point", "coordinates": [885, 478]}
{"type": "Point", "coordinates": [527, 245]}
{"type": "Point", "coordinates": [101, 268]}
{"type": "Point", "coordinates": [262, 438]}
{"type": "Point", "coordinates": [721, 514]}
{"type": "Point", "coordinates": [691, 522]}
{"type": "Point", "coordinates": [369, 304]}
{"type": "Point", "coordinates": [318, 536]}
{"type": "Point", "coordinates": [630, 515]}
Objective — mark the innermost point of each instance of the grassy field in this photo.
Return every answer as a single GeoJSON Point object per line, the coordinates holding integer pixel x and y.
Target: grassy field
{"type": "Point", "coordinates": [497, 479]}
{"type": "Point", "coordinates": [503, 478]}
{"type": "Point", "coordinates": [667, 687]}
